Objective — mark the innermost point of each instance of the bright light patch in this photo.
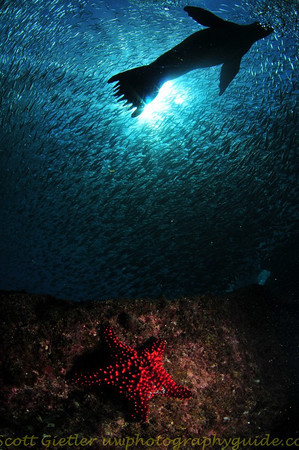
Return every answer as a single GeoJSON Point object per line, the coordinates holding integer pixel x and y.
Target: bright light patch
{"type": "Point", "coordinates": [168, 94]}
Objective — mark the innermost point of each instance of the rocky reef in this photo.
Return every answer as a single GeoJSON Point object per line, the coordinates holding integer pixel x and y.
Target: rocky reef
{"type": "Point", "coordinates": [226, 349]}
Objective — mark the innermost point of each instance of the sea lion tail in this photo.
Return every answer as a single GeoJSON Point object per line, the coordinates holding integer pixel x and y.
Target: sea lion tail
{"type": "Point", "coordinates": [138, 86]}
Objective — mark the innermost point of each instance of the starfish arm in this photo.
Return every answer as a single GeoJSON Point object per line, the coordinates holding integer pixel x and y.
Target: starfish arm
{"type": "Point", "coordinates": [89, 379]}
{"type": "Point", "coordinates": [153, 353]}
{"type": "Point", "coordinates": [172, 389]}
{"type": "Point", "coordinates": [139, 406]}
{"type": "Point", "coordinates": [114, 344]}
{"type": "Point", "coordinates": [157, 347]}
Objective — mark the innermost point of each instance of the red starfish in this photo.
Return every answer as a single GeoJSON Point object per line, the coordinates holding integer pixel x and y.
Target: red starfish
{"type": "Point", "coordinates": [138, 375]}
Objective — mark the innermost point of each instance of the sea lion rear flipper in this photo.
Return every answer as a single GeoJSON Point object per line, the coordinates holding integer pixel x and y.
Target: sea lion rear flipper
{"type": "Point", "coordinates": [228, 72]}
{"type": "Point", "coordinates": [137, 87]}
{"type": "Point", "coordinates": [206, 18]}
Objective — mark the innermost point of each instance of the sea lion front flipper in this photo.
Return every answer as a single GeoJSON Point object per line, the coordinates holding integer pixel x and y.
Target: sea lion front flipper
{"type": "Point", "coordinates": [228, 72]}
{"type": "Point", "coordinates": [206, 18]}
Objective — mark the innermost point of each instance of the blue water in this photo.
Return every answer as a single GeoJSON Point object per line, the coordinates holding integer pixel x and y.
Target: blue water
{"type": "Point", "coordinates": [198, 195]}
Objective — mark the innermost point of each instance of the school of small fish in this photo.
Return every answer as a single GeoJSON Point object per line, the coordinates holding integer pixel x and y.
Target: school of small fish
{"type": "Point", "coordinates": [197, 196]}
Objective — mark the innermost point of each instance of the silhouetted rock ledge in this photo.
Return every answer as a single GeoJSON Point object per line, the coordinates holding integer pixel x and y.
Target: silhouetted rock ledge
{"type": "Point", "coordinates": [225, 349]}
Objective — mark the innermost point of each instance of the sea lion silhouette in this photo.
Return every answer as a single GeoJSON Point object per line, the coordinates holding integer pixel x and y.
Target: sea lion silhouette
{"type": "Point", "coordinates": [223, 42]}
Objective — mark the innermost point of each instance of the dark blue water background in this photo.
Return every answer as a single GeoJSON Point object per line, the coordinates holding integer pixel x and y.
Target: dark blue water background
{"type": "Point", "coordinates": [198, 196]}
